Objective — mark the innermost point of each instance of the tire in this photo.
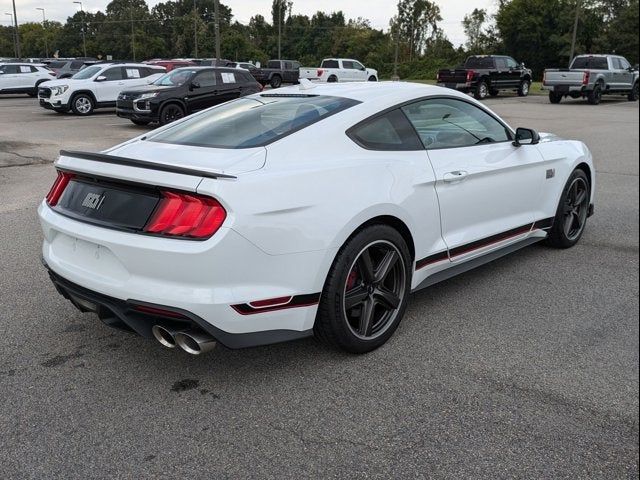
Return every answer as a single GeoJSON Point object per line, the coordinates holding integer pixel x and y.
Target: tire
{"type": "Point", "coordinates": [482, 90]}
{"type": "Point", "coordinates": [634, 94]}
{"type": "Point", "coordinates": [142, 123]}
{"type": "Point", "coordinates": [555, 98]}
{"type": "Point", "coordinates": [523, 89]}
{"type": "Point", "coordinates": [82, 104]}
{"type": "Point", "coordinates": [383, 294]}
{"type": "Point", "coordinates": [332, 79]}
{"type": "Point", "coordinates": [573, 210]}
{"type": "Point", "coordinates": [170, 113]}
{"type": "Point", "coordinates": [595, 95]}
{"type": "Point", "coordinates": [276, 81]}
{"type": "Point", "coordinates": [372, 78]}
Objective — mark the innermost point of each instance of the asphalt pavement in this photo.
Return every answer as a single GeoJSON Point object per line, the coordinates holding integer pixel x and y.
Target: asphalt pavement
{"type": "Point", "coordinates": [524, 368]}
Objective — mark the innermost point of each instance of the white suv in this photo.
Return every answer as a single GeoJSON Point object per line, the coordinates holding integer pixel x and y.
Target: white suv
{"type": "Point", "coordinates": [23, 77]}
{"type": "Point", "coordinates": [97, 86]}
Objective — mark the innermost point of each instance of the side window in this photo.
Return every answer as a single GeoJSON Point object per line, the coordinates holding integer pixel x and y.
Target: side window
{"type": "Point", "coordinates": [615, 63]}
{"type": "Point", "coordinates": [288, 66]}
{"type": "Point", "coordinates": [296, 65]}
{"type": "Point", "coordinates": [10, 69]}
{"type": "Point", "coordinates": [330, 64]}
{"type": "Point", "coordinates": [624, 64]}
{"type": "Point", "coordinates": [227, 77]}
{"type": "Point", "coordinates": [511, 63]}
{"type": "Point", "coordinates": [389, 132]}
{"type": "Point", "coordinates": [24, 69]}
{"type": "Point", "coordinates": [34, 69]}
{"type": "Point", "coordinates": [76, 65]}
{"type": "Point", "coordinates": [112, 74]}
{"type": "Point", "coordinates": [358, 66]}
{"type": "Point", "coordinates": [501, 63]}
{"type": "Point", "coordinates": [451, 123]}
{"type": "Point", "coordinates": [348, 65]}
{"type": "Point", "coordinates": [206, 79]}
{"type": "Point", "coordinates": [133, 73]}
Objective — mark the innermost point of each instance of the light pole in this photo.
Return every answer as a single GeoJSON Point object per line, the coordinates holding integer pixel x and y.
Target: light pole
{"type": "Point", "coordinates": [15, 51]}
{"type": "Point", "coordinates": [279, 29]}
{"type": "Point", "coordinates": [44, 29]}
{"type": "Point", "coordinates": [216, 26]}
{"type": "Point", "coordinates": [84, 39]}
{"type": "Point", "coordinates": [15, 23]}
{"type": "Point", "coordinates": [195, 28]}
{"type": "Point", "coordinates": [575, 32]}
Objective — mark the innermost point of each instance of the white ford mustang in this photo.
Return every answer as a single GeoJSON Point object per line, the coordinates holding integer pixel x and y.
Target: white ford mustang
{"type": "Point", "coordinates": [310, 210]}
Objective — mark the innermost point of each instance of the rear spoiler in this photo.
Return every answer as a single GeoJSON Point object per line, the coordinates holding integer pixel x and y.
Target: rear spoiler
{"type": "Point", "coordinates": [132, 162]}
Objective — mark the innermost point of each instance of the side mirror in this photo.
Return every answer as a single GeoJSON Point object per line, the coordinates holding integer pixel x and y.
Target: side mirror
{"type": "Point", "coordinates": [526, 136]}
{"type": "Point", "coordinates": [101, 78]}
{"type": "Point", "coordinates": [194, 85]}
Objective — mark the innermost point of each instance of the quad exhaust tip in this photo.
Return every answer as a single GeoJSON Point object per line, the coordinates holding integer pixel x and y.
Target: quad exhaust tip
{"type": "Point", "coordinates": [191, 341]}
{"type": "Point", "coordinates": [195, 342]}
{"type": "Point", "coordinates": [164, 335]}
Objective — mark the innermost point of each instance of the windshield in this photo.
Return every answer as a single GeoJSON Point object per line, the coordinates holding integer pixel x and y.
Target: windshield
{"type": "Point", "coordinates": [175, 78]}
{"type": "Point", "coordinates": [253, 122]}
{"type": "Point", "coordinates": [86, 73]}
{"type": "Point", "coordinates": [597, 63]}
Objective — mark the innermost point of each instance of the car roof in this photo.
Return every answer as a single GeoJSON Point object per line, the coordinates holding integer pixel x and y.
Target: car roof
{"type": "Point", "coordinates": [384, 92]}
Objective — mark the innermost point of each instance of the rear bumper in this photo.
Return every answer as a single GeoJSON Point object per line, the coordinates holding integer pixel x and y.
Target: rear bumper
{"type": "Point", "coordinates": [564, 89]}
{"type": "Point", "coordinates": [210, 282]}
{"type": "Point", "coordinates": [122, 314]}
{"type": "Point", "coordinates": [461, 87]}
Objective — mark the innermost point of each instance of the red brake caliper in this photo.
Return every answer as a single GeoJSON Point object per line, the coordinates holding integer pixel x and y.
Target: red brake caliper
{"type": "Point", "coordinates": [351, 279]}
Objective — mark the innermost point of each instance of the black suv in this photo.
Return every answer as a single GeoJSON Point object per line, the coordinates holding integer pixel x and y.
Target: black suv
{"type": "Point", "coordinates": [184, 91]}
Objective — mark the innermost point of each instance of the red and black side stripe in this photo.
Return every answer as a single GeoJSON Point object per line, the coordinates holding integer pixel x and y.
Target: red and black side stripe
{"type": "Point", "coordinates": [485, 242]}
{"type": "Point", "coordinates": [279, 303]}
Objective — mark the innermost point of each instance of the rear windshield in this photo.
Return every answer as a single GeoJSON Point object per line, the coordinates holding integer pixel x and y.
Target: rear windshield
{"type": "Point", "coordinates": [479, 62]}
{"type": "Point", "coordinates": [253, 122]}
{"type": "Point", "coordinates": [596, 63]}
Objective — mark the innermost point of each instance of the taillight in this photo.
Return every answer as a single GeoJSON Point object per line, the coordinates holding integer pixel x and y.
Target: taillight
{"type": "Point", "coordinates": [58, 187]}
{"type": "Point", "coordinates": [544, 78]}
{"type": "Point", "coordinates": [320, 72]}
{"type": "Point", "coordinates": [585, 78]}
{"type": "Point", "coordinates": [186, 215]}
{"type": "Point", "coordinates": [470, 75]}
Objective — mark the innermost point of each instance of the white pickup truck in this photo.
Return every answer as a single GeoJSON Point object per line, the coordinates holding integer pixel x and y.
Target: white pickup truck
{"type": "Point", "coordinates": [339, 70]}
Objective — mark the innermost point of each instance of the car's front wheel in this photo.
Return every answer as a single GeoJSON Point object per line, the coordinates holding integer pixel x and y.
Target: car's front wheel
{"type": "Point", "coordinates": [366, 292]}
{"type": "Point", "coordinates": [634, 94]}
{"type": "Point", "coordinates": [82, 104]}
{"type": "Point", "coordinates": [170, 113]}
{"type": "Point", "coordinates": [523, 90]}
{"type": "Point", "coordinates": [573, 210]}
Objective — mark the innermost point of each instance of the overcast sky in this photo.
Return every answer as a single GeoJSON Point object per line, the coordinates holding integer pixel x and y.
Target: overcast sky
{"type": "Point", "coordinates": [377, 11]}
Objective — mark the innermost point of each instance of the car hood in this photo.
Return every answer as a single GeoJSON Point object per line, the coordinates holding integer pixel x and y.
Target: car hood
{"type": "Point", "coordinates": [62, 81]}
{"type": "Point", "coordinates": [215, 160]}
{"type": "Point", "coordinates": [549, 137]}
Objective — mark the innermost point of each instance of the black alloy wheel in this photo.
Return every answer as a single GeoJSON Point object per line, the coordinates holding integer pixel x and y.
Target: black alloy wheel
{"type": "Point", "coordinates": [635, 93]}
{"type": "Point", "coordinates": [366, 291]}
{"type": "Point", "coordinates": [573, 211]}
{"type": "Point", "coordinates": [170, 113]}
{"type": "Point", "coordinates": [373, 289]}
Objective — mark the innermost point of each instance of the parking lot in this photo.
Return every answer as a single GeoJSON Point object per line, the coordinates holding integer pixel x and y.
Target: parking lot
{"type": "Point", "coordinates": [524, 368]}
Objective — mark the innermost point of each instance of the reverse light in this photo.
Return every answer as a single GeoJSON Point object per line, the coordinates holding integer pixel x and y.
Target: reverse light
{"type": "Point", "coordinates": [58, 187]}
{"type": "Point", "coordinates": [186, 215]}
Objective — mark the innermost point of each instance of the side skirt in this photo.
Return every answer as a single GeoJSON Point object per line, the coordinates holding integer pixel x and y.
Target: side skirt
{"type": "Point", "coordinates": [476, 262]}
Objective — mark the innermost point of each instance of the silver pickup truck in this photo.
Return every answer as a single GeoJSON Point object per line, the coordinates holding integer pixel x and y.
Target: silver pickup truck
{"type": "Point", "coordinates": [590, 77]}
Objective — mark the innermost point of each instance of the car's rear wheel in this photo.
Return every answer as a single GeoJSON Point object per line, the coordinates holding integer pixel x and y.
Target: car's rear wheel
{"type": "Point", "coordinates": [482, 90]}
{"type": "Point", "coordinates": [82, 104]}
{"type": "Point", "coordinates": [366, 292]}
{"type": "Point", "coordinates": [276, 81]}
{"type": "Point", "coordinates": [555, 98]}
{"type": "Point", "coordinates": [171, 113]}
{"type": "Point", "coordinates": [635, 93]}
{"type": "Point", "coordinates": [523, 90]}
{"type": "Point", "coordinates": [595, 95]}
{"type": "Point", "coordinates": [332, 79]}
{"type": "Point", "coordinates": [573, 210]}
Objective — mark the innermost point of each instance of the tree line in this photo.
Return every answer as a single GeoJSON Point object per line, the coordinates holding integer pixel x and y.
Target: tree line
{"type": "Point", "coordinates": [536, 32]}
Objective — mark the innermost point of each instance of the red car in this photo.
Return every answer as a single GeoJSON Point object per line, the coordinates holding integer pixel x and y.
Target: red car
{"type": "Point", "coordinates": [171, 64]}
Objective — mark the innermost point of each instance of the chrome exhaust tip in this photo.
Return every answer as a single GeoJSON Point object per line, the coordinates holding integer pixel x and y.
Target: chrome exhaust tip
{"type": "Point", "coordinates": [195, 342]}
{"type": "Point", "coordinates": [165, 336]}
